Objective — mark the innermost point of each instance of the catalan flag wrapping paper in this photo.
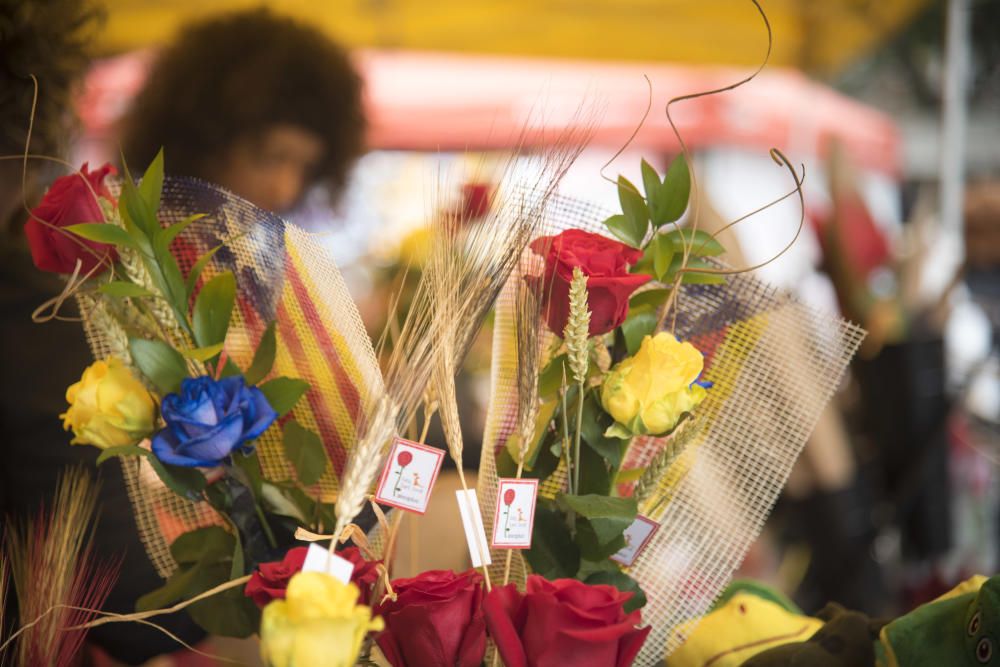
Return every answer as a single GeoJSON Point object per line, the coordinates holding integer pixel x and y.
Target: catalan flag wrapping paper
{"type": "Point", "coordinates": [774, 363]}
{"type": "Point", "coordinates": [283, 275]}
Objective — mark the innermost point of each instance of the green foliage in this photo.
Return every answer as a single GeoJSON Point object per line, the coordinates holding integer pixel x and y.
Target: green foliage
{"type": "Point", "coordinates": [641, 322]}
{"type": "Point", "coordinates": [213, 309]}
{"type": "Point", "coordinates": [670, 199]}
{"type": "Point", "coordinates": [161, 364]}
{"type": "Point", "coordinates": [207, 557]}
{"type": "Point", "coordinates": [103, 233]}
{"type": "Point", "coordinates": [304, 450]}
{"type": "Point", "coordinates": [553, 554]}
{"type": "Point", "coordinates": [185, 482]}
{"type": "Point", "coordinates": [263, 358]}
{"type": "Point", "coordinates": [123, 288]}
{"type": "Point", "coordinates": [633, 223]}
{"type": "Point", "coordinates": [192, 279]}
{"type": "Point", "coordinates": [283, 393]}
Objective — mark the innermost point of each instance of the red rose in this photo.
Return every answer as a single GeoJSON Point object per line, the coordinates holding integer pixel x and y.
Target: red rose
{"type": "Point", "coordinates": [69, 201]}
{"type": "Point", "coordinates": [271, 579]}
{"type": "Point", "coordinates": [563, 622]}
{"type": "Point", "coordinates": [609, 284]}
{"type": "Point", "coordinates": [436, 621]}
{"type": "Point", "coordinates": [365, 571]}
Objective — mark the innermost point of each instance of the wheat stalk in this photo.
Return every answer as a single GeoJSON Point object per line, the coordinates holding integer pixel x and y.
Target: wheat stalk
{"type": "Point", "coordinates": [658, 467]}
{"type": "Point", "coordinates": [527, 309]}
{"type": "Point", "coordinates": [52, 566]}
{"type": "Point", "coordinates": [483, 260]}
{"type": "Point", "coordinates": [577, 331]}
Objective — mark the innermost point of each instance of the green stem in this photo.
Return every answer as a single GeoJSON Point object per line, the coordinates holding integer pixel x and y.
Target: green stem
{"type": "Point", "coordinates": [265, 525]}
{"type": "Point", "coordinates": [576, 444]}
{"type": "Point", "coordinates": [565, 446]}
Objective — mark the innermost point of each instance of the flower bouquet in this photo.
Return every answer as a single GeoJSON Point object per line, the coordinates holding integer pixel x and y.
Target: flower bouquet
{"type": "Point", "coordinates": [648, 402]}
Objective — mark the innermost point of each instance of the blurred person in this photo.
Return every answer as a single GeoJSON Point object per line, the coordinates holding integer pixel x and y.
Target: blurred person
{"type": "Point", "coordinates": [49, 40]}
{"type": "Point", "coordinates": [258, 103]}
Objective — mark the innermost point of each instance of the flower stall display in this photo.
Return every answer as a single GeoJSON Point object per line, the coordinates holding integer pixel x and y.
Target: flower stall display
{"type": "Point", "coordinates": [647, 404]}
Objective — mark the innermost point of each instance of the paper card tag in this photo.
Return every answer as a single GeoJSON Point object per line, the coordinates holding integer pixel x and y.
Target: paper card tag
{"type": "Point", "coordinates": [637, 536]}
{"type": "Point", "coordinates": [472, 522]}
{"type": "Point", "coordinates": [319, 559]}
{"type": "Point", "coordinates": [514, 518]}
{"type": "Point", "coordinates": [409, 476]}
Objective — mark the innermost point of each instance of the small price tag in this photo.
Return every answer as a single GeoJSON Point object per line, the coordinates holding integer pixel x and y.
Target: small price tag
{"type": "Point", "coordinates": [514, 518]}
{"type": "Point", "coordinates": [637, 536]}
{"type": "Point", "coordinates": [409, 476]}
{"type": "Point", "coordinates": [472, 522]}
{"type": "Point", "coordinates": [319, 559]}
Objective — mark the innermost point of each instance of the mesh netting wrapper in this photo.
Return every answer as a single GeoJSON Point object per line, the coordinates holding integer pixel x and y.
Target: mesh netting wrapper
{"type": "Point", "coordinates": [774, 363]}
{"type": "Point", "coordinates": [283, 275]}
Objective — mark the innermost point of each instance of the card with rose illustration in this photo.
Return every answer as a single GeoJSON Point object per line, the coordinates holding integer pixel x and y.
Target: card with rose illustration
{"type": "Point", "coordinates": [515, 513]}
{"type": "Point", "coordinates": [637, 536]}
{"type": "Point", "coordinates": [409, 475]}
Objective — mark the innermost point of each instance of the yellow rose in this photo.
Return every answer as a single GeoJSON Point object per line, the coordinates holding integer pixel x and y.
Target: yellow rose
{"type": "Point", "coordinates": [318, 623]}
{"type": "Point", "coordinates": [108, 407]}
{"type": "Point", "coordinates": [648, 392]}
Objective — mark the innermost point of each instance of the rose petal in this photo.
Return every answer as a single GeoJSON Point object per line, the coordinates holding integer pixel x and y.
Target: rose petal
{"type": "Point", "coordinates": [500, 608]}
{"type": "Point", "coordinates": [217, 444]}
{"type": "Point", "coordinates": [163, 448]}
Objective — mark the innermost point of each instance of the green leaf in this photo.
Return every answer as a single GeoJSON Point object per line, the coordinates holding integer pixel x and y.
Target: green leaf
{"type": "Point", "coordinates": [553, 554]}
{"type": "Point", "coordinates": [692, 277]}
{"type": "Point", "coordinates": [248, 465]}
{"type": "Point", "coordinates": [551, 378]}
{"type": "Point", "coordinates": [123, 450]}
{"type": "Point", "coordinates": [230, 369]}
{"type": "Point", "coordinates": [652, 298]}
{"type": "Point", "coordinates": [283, 393]}
{"type": "Point", "coordinates": [263, 358]}
{"type": "Point", "coordinates": [199, 266]}
{"type": "Point", "coordinates": [623, 583]}
{"type": "Point", "coordinates": [226, 614]}
{"type": "Point", "coordinates": [133, 205]}
{"type": "Point", "coordinates": [290, 502]}
{"type": "Point", "coordinates": [702, 243]}
{"type": "Point", "coordinates": [203, 353]}
{"type": "Point", "coordinates": [236, 569]}
{"type": "Point", "coordinates": [596, 474]}
{"type": "Point", "coordinates": [635, 211]}
{"type": "Point", "coordinates": [592, 426]}
{"type": "Point", "coordinates": [619, 431]}
{"type": "Point", "coordinates": [185, 482]}
{"type": "Point", "coordinates": [162, 364]}
{"type": "Point", "coordinates": [151, 186]}
{"type": "Point", "coordinates": [103, 233]}
{"type": "Point", "coordinates": [662, 249]}
{"type": "Point", "coordinates": [597, 546]}
{"type": "Point", "coordinates": [211, 544]}
{"type": "Point", "coordinates": [304, 450]}
{"type": "Point", "coordinates": [671, 198]}
{"type": "Point", "coordinates": [650, 180]}
{"type": "Point", "coordinates": [641, 322]}
{"type": "Point", "coordinates": [166, 235]}
{"type": "Point", "coordinates": [213, 309]}
{"type": "Point", "coordinates": [172, 591]}
{"type": "Point", "coordinates": [123, 288]}
{"type": "Point", "coordinates": [601, 522]}
{"type": "Point", "coordinates": [623, 229]}
{"type": "Point", "coordinates": [594, 506]}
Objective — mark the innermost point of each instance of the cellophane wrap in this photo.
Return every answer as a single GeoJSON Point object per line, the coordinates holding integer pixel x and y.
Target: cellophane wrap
{"type": "Point", "coordinates": [774, 363]}
{"type": "Point", "coordinates": [283, 274]}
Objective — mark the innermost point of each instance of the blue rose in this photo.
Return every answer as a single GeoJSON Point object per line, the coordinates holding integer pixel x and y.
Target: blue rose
{"type": "Point", "coordinates": [210, 419]}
